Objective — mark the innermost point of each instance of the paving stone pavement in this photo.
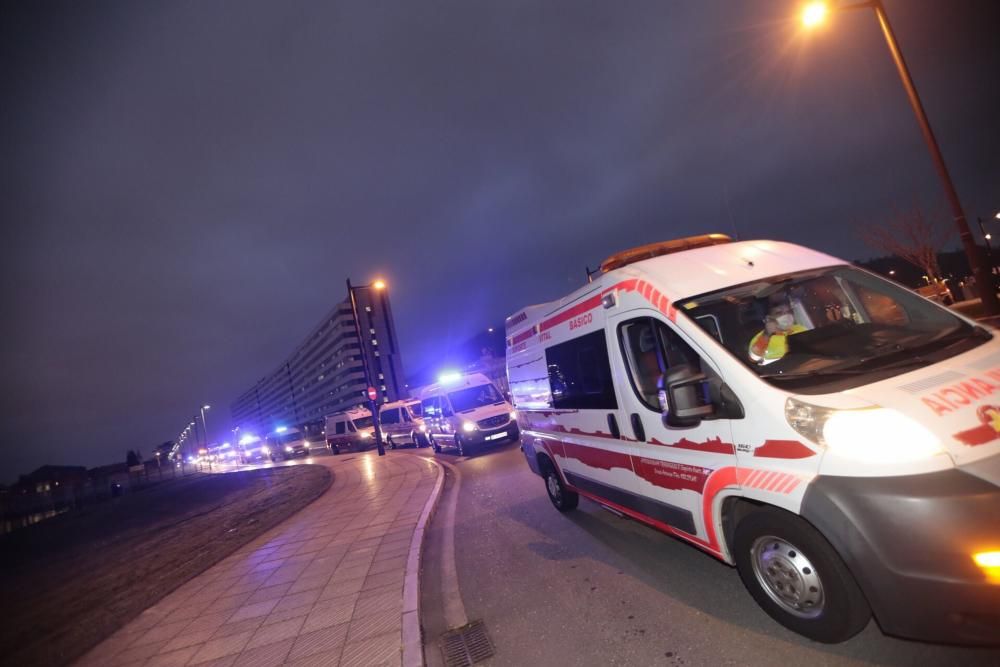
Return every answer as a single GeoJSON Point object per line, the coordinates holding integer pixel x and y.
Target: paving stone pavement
{"type": "Point", "coordinates": [335, 584]}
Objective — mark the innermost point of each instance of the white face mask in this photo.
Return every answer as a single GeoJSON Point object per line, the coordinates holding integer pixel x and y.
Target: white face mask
{"type": "Point", "coordinates": [785, 321]}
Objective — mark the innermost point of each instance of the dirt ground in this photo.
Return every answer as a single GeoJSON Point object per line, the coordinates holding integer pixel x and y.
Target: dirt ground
{"type": "Point", "coordinates": [68, 583]}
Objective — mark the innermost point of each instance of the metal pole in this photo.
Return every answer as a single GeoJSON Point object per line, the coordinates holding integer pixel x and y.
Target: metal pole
{"type": "Point", "coordinates": [364, 363]}
{"type": "Point", "coordinates": [977, 263]}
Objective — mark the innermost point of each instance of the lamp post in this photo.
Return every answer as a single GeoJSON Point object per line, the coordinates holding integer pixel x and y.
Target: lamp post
{"type": "Point", "coordinates": [815, 13]}
{"type": "Point", "coordinates": [204, 424]}
{"type": "Point", "coordinates": [372, 406]}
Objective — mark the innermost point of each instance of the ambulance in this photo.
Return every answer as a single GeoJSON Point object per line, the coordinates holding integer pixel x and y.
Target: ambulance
{"type": "Point", "coordinates": [402, 424]}
{"type": "Point", "coordinates": [351, 430]}
{"type": "Point", "coordinates": [466, 412]}
{"type": "Point", "coordinates": [832, 435]}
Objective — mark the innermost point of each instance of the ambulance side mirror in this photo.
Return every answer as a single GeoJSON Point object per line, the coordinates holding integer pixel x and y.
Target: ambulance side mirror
{"type": "Point", "coordinates": [684, 398]}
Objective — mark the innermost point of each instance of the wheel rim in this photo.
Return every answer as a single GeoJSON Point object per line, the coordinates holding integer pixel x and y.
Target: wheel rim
{"type": "Point", "coordinates": [552, 484]}
{"type": "Point", "coordinates": [787, 576]}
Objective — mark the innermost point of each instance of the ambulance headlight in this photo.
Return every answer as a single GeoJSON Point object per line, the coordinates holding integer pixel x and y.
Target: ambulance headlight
{"type": "Point", "coordinates": [869, 435]}
{"type": "Point", "coordinates": [266, 451]}
{"type": "Point", "coordinates": [468, 427]}
{"type": "Point", "coordinates": [288, 448]}
{"type": "Point", "coordinates": [365, 435]}
{"type": "Point", "coordinates": [423, 428]}
{"type": "Point", "coordinates": [513, 414]}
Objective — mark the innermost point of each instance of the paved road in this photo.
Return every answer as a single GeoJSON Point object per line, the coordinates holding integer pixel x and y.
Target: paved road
{"type": "Point", "coordinates": [590, 588]}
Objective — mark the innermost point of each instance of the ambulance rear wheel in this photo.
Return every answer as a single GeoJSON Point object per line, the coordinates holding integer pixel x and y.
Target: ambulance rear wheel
{"type": "Point", "coordinates": [562, 498]}
{"type": "Point", "coordinates": [798, 578]}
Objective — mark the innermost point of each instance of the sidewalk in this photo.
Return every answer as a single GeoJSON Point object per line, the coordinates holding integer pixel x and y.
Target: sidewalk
{"type": "Point", "coordinates": [336, 584]}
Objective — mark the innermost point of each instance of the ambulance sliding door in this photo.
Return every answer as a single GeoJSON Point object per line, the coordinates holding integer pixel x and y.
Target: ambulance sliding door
{"type": "Point", "coordinates": [586, 415]}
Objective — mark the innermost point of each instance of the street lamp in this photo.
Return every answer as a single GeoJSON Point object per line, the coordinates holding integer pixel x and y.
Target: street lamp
{"type": "Point", "coordinates": [204, 424]}
{"type": "Point", "coordinates": [812, 16]}
{"type": "Point", "coordinates": [372, 406]}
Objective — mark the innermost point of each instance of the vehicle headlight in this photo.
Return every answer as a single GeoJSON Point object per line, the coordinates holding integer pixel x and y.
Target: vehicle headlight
{"type": "Point", "coordinates": [288, 448]}
{"type": "Point", "coordinates": [423, 428]}
{"type": "Point", "coordinates": [365, 434]}
{"type": "Point", "coordinates": [468, 426]}
{"type": "Point", "coordinates": [306, 445]}
{"type": "Point", "coordinates": [265, 450]}
{"type": "Point", "coordinates": [870, 435]}
{"type": "Point", "coordinates": [513, 414]}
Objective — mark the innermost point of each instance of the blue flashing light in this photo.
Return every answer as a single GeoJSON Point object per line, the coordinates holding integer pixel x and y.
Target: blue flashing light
{"type": "Point", "coordinates": [449, 377]}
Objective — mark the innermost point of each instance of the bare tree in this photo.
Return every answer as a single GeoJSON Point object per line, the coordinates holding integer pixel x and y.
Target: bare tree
{"type": "Point", "coordinates": [912, 236]}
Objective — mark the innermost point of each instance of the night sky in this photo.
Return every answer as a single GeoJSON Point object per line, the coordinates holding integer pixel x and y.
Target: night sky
{"type": "Point", "coordinates": [186, 185]}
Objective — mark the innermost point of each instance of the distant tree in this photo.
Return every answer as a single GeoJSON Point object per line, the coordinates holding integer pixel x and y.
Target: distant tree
{"type": "Point", "coordinates": [911, 236]}
{"type": "Point", "coordinates": [132, 458]}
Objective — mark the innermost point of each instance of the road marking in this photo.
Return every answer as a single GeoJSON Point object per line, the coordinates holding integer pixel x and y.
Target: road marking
{"type": "Point", "coordinates": [454, 609]}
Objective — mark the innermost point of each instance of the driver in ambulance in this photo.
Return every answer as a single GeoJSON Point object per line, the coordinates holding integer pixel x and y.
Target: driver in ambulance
{"type": "Point", "coordinates": [771, 344]}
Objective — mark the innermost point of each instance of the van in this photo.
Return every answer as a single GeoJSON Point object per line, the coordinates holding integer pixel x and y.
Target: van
{"type": "Point", "coordinates": [467, 412]}
{"type": "Point", "coordinates": [351, 430]}
{"type": "Point", "coordinates": [832, 435]}
{"type": "Point", "coordinates": [401, 423]}
{"type": "Point", "coordinates": [287, 443]}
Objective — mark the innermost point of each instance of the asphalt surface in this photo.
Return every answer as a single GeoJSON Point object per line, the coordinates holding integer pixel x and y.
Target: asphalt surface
{"type": "Point", "coordinates": [591, 588]}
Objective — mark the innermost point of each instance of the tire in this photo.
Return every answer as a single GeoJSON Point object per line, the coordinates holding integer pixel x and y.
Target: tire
{"type": "Point", "coordinates": [388, 439]}
{"type": "Point", "coordinates": [798, 578]}
{"type": "Point", "coordinates": [460, 444]}
{"type": "Point", "coordinates": [562, 498]}
{"type": "Point", "coordinates": [435, 446]}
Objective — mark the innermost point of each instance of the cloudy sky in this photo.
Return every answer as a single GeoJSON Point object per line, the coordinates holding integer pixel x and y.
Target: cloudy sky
{"type": "Point", "coordinates": [186, 185]}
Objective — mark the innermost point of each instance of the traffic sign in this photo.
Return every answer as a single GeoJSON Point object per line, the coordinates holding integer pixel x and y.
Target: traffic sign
{"type": "Point", "coordinates": [371, 394]}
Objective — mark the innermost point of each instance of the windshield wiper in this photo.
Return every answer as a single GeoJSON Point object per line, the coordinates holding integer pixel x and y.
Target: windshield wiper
{"type": "Point", "coordinates": [819, 372]}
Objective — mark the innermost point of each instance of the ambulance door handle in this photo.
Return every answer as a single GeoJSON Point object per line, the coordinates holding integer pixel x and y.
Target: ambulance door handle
{"type": "Point", "coordinates": [640, 432]}
{"type": "Point", "coordinates": [613, 427]}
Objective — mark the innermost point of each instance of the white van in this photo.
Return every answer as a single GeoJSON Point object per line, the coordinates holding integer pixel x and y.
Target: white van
{"type": "Point", "coordinates": [287, 443]}
{"type": "Point", "coordinates": [834, 436]}
{"type": "Point", "coordinates": [351, 430]}
{"type": "Point", "coordinates": [401, 424]}
{"type": "Point", "coordinates": [466, 412]}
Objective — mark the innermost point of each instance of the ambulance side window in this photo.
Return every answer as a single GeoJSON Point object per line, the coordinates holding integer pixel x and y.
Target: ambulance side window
{"type": "Point", "coordinates": [580, 374]}
{"type": "Point", "coordinates": [390, 416]}
{"type": "Point", "coordinates": [651, 350]}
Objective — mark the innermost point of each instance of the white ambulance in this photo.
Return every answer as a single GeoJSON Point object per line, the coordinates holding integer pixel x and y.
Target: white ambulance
{"type": "Point", "coordinates": [401, 423]}
{"type": "Point", "coordinates": [466, 412]}
{"type": "Point", "coordinates": [351, 430]}
{"type": "Point", "coordinates": [834, 436]}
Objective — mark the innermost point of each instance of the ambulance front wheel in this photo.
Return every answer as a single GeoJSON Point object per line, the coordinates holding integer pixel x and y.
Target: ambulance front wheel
{"type": "Point", "coordinates": [562, 498]}
{"type": "Point", "coordinates": [798, 578]}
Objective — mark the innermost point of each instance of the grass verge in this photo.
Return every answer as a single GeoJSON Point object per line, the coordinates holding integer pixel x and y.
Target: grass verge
{"type": "Point", "coordinates": [70, 582]}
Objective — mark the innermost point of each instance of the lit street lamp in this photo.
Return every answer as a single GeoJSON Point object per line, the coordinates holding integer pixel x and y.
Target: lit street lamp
{"type": "Point", "coordinates": [372, 405]}
{"type": "Point", "coordinates": [813, 14]}
{"type": "Point", "coordinates": [204, 424]}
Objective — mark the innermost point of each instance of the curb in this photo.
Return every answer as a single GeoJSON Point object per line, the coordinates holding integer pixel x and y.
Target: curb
{"type": "Point", "coordinates": [413, 647]}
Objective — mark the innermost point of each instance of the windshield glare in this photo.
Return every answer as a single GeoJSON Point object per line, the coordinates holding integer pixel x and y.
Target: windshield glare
{"type": "Point", "coordinates": [363, 422]}
{"type": "Point", "coordinates": [474, 397]}
{"type": "Point", "coordinates": [837, 321]}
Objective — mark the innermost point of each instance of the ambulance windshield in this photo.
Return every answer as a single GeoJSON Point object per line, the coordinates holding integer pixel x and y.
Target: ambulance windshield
{"type": "Point", "coordinates": [471, 398]}
{"type": "Point", "coordinates": [839, 326]}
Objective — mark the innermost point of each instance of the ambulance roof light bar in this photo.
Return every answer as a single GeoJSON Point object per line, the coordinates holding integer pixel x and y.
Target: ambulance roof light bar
{"type": "Point", "coordinates": [648, 251]}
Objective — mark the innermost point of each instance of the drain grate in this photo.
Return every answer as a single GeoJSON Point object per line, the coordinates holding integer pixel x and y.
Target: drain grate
{"type": "Point", "coordinates": [466, 645]}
